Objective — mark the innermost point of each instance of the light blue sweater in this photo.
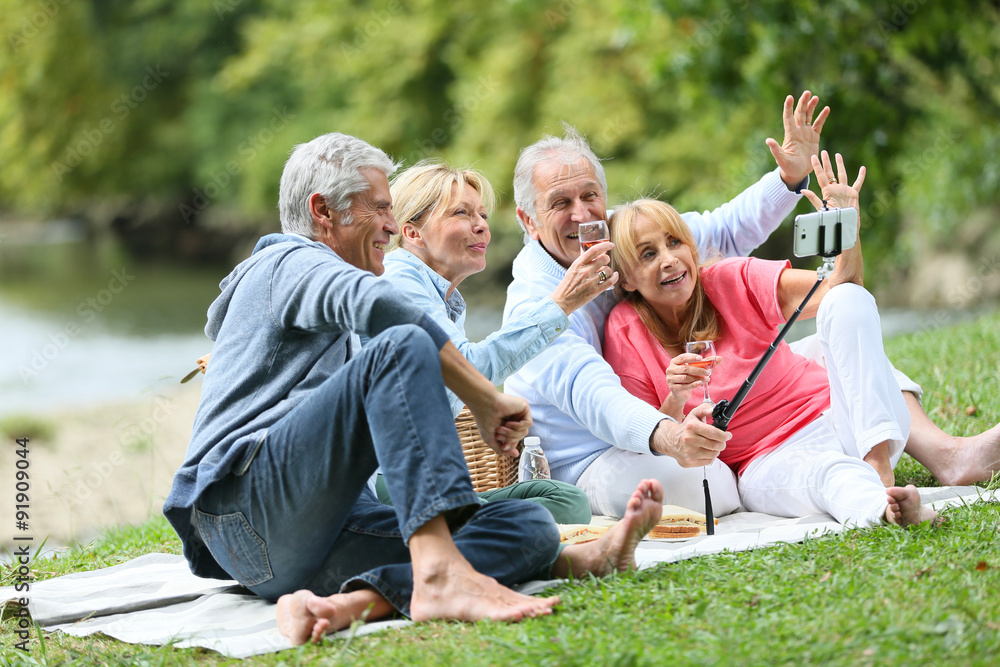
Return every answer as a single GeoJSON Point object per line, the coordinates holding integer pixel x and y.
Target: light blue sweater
{"type": "Point", "coordinates": [281, 327]}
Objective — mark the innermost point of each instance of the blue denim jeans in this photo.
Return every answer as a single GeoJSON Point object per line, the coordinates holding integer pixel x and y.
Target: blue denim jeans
{"type": "Point", "coordinates": [301, 515]}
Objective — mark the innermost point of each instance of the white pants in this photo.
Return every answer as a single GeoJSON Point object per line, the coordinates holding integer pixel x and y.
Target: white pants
{"type": "Point", "coordinates": [819, 469]}
{"type": "Point", "coordinates": [611, 479]}
{"type": "Point", "coordinates": [810, 348]}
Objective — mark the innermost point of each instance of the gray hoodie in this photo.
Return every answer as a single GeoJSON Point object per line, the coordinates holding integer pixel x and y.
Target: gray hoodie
{"type": "Point", "coordinates": [281, 327]}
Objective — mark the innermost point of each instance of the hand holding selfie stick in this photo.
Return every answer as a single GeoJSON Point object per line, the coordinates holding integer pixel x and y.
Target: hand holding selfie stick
{"type": "Point", "coordinates": [724, 410]}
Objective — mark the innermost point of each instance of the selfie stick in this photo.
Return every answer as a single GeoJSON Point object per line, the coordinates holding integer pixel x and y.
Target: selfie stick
{"type": "Point", "coordinates": [724, 410]}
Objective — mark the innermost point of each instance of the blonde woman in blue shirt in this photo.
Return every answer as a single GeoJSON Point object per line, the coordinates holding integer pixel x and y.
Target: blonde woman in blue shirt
{"type": "Point", "coordinates": [443, 217]}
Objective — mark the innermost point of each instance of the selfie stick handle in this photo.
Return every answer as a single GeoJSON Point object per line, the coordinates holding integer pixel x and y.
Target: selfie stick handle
{"type": "Point", "coordinates": [709, 515]}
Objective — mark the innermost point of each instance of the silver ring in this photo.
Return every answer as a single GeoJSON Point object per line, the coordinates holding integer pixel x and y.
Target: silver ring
{"type": "Point", "coordinates": [832, 179]}
{"type": "Point", "coordinates": [602, 276]}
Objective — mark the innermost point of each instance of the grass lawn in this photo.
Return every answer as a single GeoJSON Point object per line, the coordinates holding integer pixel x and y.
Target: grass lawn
{"type": "Point", "coordinates": [885, 596]}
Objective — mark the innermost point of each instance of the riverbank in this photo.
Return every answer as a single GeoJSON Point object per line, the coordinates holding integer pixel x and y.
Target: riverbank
{"type": "Point", "coordinates": [93, 468]}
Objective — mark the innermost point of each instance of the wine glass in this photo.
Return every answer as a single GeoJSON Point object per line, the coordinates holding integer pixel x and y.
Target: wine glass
{"type": "Point", "coordinates": [706, 349]}
{"type": "Point", "coordinates": [592, 233]}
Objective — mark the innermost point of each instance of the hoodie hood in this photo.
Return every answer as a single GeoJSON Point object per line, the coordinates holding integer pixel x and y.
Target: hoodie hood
{"type": "Point", "coordinates": [265, 246]}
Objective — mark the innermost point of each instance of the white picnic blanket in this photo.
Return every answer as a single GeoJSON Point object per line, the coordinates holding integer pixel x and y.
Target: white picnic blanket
{"type": "Point", "coordinates": [154, 599]}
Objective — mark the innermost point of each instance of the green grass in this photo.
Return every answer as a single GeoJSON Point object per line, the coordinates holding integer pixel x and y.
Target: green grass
{"type": "Point", "coordinates": [885, 596]}
{"type": "Point", "coordinates": [22, 425]}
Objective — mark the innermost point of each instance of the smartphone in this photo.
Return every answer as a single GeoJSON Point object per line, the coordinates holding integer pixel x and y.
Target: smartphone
{"type": "Point", "coordinates": [816, 233]}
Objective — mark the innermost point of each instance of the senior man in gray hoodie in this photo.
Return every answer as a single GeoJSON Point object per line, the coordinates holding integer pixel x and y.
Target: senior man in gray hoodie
{"type": "Point", "coordinates": [295, 417]}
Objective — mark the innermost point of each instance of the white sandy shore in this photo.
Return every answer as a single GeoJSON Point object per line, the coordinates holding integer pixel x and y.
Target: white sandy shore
{"type": "Point", "coordinates": [105, 466]}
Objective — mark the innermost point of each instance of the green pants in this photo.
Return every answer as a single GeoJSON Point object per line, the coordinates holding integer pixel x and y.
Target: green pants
{"type": "Point", "coordinates": [567, 503]}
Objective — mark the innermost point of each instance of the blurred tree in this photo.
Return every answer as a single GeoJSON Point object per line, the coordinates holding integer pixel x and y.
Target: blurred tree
{"type": "Point", "coordinates": [200, 102]}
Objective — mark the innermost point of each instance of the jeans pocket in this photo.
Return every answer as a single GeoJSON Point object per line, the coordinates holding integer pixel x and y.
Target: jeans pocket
{"type": "Point", "coordinates": [235, 546]}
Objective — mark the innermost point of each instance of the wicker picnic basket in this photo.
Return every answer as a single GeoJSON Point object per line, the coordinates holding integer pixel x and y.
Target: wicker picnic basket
{"type": "Point", "coordinates": [487, 469]}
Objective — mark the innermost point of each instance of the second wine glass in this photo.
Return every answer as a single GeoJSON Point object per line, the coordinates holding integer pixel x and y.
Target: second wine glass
{"type": "Point", "coordinates": [706, 350]}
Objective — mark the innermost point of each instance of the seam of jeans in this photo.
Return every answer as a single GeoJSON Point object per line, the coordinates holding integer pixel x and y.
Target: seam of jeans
{"type": "Point", "coordinates": [361, 530]}
{"type": "Point", "coordinates": [383, 587]}
{"type": "Point", "coordinates": [253, 454]}
{"type": "Point", "coordinates": [436, 509]}
{"type": "Point", "coordinates": [440, 505]}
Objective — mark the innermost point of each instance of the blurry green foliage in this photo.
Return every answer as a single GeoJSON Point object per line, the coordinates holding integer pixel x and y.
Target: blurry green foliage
{"type": "Point", "coordinates": [199, 102]}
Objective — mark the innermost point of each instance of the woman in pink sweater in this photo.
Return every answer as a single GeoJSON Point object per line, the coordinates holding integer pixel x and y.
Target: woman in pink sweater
{"type": "Point", "coordinates": [807, 439]}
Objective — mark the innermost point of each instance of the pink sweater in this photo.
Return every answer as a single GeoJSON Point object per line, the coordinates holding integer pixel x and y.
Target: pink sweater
{"type": "Point", "coordinates": [790, 393]}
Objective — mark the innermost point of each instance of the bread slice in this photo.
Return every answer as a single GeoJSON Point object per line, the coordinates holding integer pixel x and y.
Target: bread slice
{"type": "Point", "coordinates": [678, 514]}
{"type": "Point", "coordinates": [581, 534]}
{"type": "Point", "coordinates": [674, 531]}
{"type": "Point", "coordinates": [677, 522]}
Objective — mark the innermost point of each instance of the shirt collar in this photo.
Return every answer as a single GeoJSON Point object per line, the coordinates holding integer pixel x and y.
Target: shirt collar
{"type": "Point", "coordinates": [455, 303]}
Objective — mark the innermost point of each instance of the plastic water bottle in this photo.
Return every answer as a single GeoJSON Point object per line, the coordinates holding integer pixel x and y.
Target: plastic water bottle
{"type": "Point", "coordinates": [533, 462]}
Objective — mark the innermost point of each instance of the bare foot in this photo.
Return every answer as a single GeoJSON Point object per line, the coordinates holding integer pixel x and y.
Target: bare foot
{"type": "Point", "coordinates": [305, 616]}
{"type": "Point", "coordinates": [614, 551]}
{"type": "Point", "coordinates": [975, 459]}
{"type": "Point", "coordinates": [878, 458]}
{"type": "Point", "coordinates": [445, 585]}
{"type": "Point", "coordinates": [905, 507]}
{"type": "Point", "coordinates": [457, 592]}
{"type": "Point", "coordinates": [953, 461]}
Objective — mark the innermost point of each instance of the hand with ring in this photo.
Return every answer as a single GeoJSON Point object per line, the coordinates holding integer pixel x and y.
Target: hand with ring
{"type": "Point", "coordinates": [579, 286]}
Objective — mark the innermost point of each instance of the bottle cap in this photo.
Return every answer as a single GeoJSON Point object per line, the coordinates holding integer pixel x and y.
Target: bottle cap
{"type": "Point", "coordinates": [532, 441]}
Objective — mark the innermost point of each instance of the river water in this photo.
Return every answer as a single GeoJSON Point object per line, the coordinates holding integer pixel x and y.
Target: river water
{"type": "Point", "coordinates": [82, 324]}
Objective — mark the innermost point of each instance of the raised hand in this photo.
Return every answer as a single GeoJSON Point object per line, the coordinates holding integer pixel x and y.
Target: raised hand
{"type": "Point", "coordinates": [836, 191]}
{"type": "Point", "coordinates": [850, 266]}
{"type": "Point", "coordinates": [801, 141]}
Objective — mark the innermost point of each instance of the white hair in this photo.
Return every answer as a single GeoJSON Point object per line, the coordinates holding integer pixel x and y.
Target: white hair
{"type": "Point", "coordinates": [330, 165]}
{"type": "Point", "coordinates": [567, 150]}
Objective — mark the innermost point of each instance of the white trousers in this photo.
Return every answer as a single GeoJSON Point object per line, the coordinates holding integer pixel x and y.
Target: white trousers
{"type": "Point", "coordinates": [819, 469]}
{"type": "Point", "coordinates": [811, 348]}
{"type": "Point", "coordinates": [611, 479]}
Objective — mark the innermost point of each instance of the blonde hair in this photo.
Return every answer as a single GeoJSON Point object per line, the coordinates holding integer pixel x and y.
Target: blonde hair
{"type": "Point", "coordinates": [702, 322]}
{"type": "Point", "coordinates": [428, 186]}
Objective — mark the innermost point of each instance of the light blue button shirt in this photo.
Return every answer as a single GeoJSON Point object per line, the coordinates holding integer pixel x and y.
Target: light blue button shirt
{"type": "Point", "coordinates": [504, 351]}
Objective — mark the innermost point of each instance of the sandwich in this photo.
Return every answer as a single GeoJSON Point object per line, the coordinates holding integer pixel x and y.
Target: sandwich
{"type": "Point", "coordinates": [578, 534]}
{"type": "Point", "coordinates": [677, 522]}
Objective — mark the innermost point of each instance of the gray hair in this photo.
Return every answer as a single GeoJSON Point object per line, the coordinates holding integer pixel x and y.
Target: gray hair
{"type": "Point", "coordinates": [568, 150]}
{"type": "Point", "coordinates": [330, 165]}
